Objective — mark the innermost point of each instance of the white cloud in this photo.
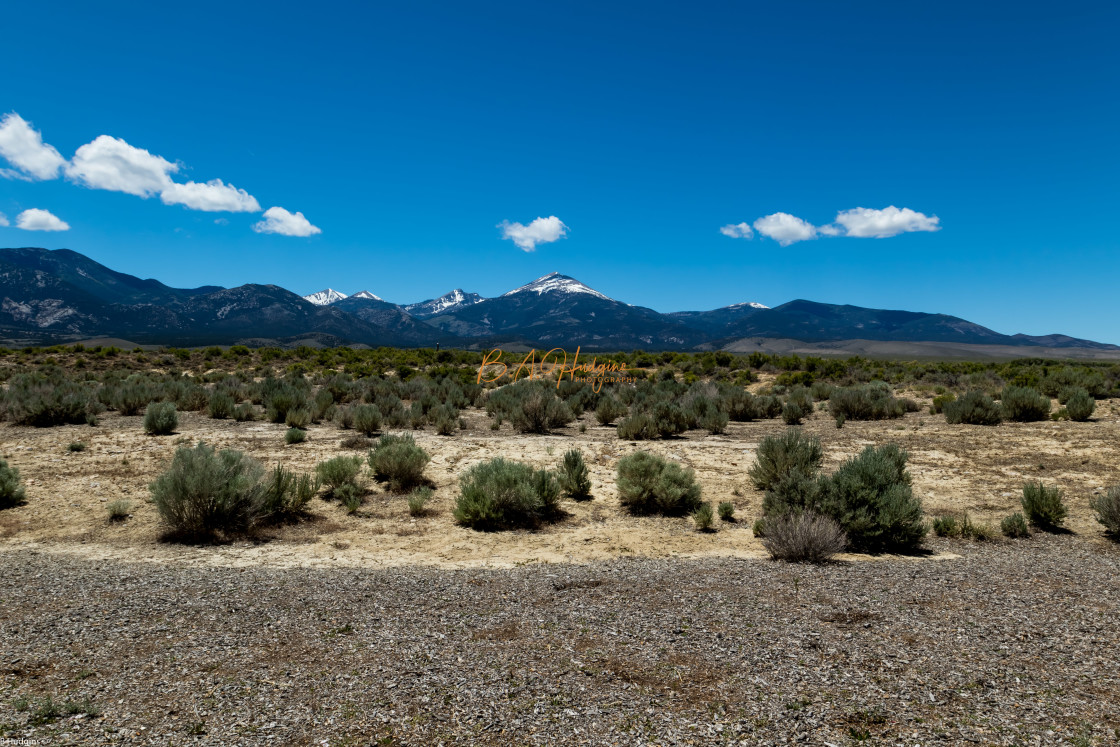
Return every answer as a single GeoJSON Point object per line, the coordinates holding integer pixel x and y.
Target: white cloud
{"type": "Point", "coordinates": [539, 231]}
{"type": "Point", "coordinates": [112, 164]}
{"type": "Point", "coordinates": [35, 219]}
{"type": "Point", "coordinates": [24, 148]}
{"type": "Point", "coordinates": [784, 228]}
{"type": "Point", "coordinates": [4, 220]}
{"type": "Point", "coordinates": [737, 231]}
{"type": "Point", "coordinates": [881, 224]}
{"type": "Point", "coordinates": [212, 197]}
{"type": "Point", "coordinates": [278, 220]}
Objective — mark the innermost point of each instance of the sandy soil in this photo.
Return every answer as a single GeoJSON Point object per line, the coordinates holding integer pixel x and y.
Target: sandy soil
{"type": "Point", "coordinates": [955, 468]}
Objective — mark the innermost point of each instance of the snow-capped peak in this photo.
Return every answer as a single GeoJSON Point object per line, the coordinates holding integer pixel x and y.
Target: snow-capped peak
{"type": "Point", "coordinates": [554, 282]}
{"type": "Point", "coordinates": [366, 294]}
{"type": "Point", "coordinates": [436, 306]}
{"type": "Point", "coordinates": [325, 297]}
{"type": "Point", "coordinates": [751, 304]}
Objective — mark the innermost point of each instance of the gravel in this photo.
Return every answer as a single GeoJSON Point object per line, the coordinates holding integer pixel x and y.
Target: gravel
{"type": "Point", "coordinates": [1010, 643]}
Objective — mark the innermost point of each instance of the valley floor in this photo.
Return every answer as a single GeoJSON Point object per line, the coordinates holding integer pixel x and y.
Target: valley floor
{"type": "Point", "coordinates": [1005, 643]}
{"type": "Point", "coordinates": [378, 628]}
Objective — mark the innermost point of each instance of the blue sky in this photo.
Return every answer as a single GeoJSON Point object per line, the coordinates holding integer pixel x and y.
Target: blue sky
{"type": "Point", "coordinates": [409, 133]}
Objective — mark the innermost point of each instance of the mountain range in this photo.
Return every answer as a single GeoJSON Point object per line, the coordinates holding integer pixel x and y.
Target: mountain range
{"type": "Point", "coordinates": [58, 296]}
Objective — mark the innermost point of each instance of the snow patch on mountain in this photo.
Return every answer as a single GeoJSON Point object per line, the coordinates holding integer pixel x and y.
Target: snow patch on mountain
{"type": "Point", "coordinates": [750, 304]}
{"type": "Point", "coordinates": [554, 282]}
{"type": "Point", "coordinates": [448, 301]}
{"type": "Point", "coordinates": [325, 297]}
{"type": "Point", "coordinates": [366, 294]}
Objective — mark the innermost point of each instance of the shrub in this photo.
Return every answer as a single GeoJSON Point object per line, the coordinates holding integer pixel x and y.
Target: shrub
{"type": "Point", "coordinates": [714, 421]}
{"type": "Point", "coordinates": [802, 537]}
{"type": "Point", "coordinates": [726, 511]}
{"type": "Point", "coordinates": [350, 496]}
{"type": "Point", "coordinates": [703, 517]}
{"type": "Point", "coordinates": [1043, 506]}
{"type": "Point", "coordinates": [964, 527]}
{"type": "Point", "coordinates": [76, 446]}
{"type": "Point", "coordinates": [1080, 405]}
{"type": "Point", "coordinates": [295, 436]}
{"type": "Point", "coordinates": [342, 470]}
{"type": "Point", "coordinates": [445, 419]}
{"type": "Point", "coordinates": [160, 419]}
{"type": "Point", "coordinates": [42, 401]}
{"type": "Point", "coordinates": [868, 402]}
{"type": "Point", "coordinates": [792, 413]}
{"type": "Point", "coordinates": [870, 497]}
{"type": "Point", "coordinates": [344, 416]}
{"type": "Point", "coordinates": [399, 461]}
{"type": "Point", "coordinates": [298, 417]}
{"type": "Point", "coordinates": [204, 492]}
{"type": "Point", "coordinates": [778, 456]}
{"type": "Point", "coordinates": [367, 419]}
{"type": "Point", "coordinates": [418, 501]}
{"type": "Point", "coordinates": [974, 408]}
{"type": "Point", "coordinates": [795, 491]}
{"type": "Point", "coordinates": [648, 484]}
{"type": "Point", "coordinates": [221, 406]}
{"type": "Point", "coordinates": [1107, 508]}
{"type": "Point", "coordinates": [940, 401]}
{"type": "Point", "coordinates": [1024, 405]}
{"type": "Point", "coordinates": [500, 494]}
{"type": "Point", "coordinates": [118, 510]}
{"type": "Point", "coordinates": [573, 475]}
{"type": "Point", "coordinates": [244, 413]}
{"type": "Point", "coordinates": [1015, 526]}
{"type": "Point", "coordinates": [286, 494]}
{"type": "Point", "coordinates": [638, 427]}
{"type": "Point", "coordinates": [609, 410]}
{"type": "Point", "coordinates": [11, 491]}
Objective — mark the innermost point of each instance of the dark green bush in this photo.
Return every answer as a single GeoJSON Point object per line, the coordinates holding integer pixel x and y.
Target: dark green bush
{"type": "Point", "coordinates": [204, 492]}
{"type": "Point", "coordinates": [703, 517]}
{"type": "Point", "coordinates": [76, 446]}
{"type": "Point", "coordinates": [870, 497]}
{"type": "Point", "coordinates": [727, 511]}
{"type": "Point", "coordinates": [160, 419]}
{"type": "Point", "coordinates": [639, 427]}
{"type": "Point", "coordinates": [778, 456]}
{"type": "Point", "coordinates": [792, 413]}
{"type": "Point", "coordinates": [295, 436]}
{"type": "Point", "coordinates": [399, 461]}
{"type": "Point", "coordinates": [609, 410]}
{"type": "Point", "coordinates": [298, 417]}
{"type": "Point", "coordinates": [11, 490]}
{"type": "Point", "coordinates": [1024, 405]}
{"type": "Point", "coordinates": [43, 400]}
{"type": "Point", "coordinates": [1043, 506]}
{"type": "Point", "coordinates": [573, 475]}
{"type": "Point", "coordinates": [418, 501]}
{"type": "Point", "coordinates": [974, 408]}
{"type": "Point", "coordinates": [940, 401]}
{"type": "Point", "coordinates": [445, 419]}
{"type": "Point", "coordinates": [285, 494]}
{"type": "Point", "coordinates": [366, 419]}
{"type": "Point", "coordinates": [221, 405]}
{"type": "Point", "coordinates": [342, 470]}
{"type": "Point", "coordinates": [963, 527]}
{"type": "Point", "coordinates": [868, 402]}
{"type": "Point", "coordinates": [244, 413]}
{"type": "Point", "coordinates": [1015, 526]}
{"type": "Point", "coordinates": [802, 537]}
{"type": "Point", "coordinates": [1107, 508]}
{"type": "Point", "coordinates": [648, 484]}
{"type": "Point", "coordinates": [1080, 405]}
{"type": "Point", "coordinates": [500, 494]}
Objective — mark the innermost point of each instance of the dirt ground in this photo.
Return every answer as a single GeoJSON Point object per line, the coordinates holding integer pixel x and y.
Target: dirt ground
{"type": "Point", "coordinates": [955, 468]}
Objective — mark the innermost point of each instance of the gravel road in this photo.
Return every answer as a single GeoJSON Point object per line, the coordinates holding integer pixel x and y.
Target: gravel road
{"type": "Point", "coordinates": [1011, 643]}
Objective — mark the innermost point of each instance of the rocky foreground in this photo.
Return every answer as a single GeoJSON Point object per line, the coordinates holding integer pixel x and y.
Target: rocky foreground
{"type": "Point", "coordinates": [1011, 643]}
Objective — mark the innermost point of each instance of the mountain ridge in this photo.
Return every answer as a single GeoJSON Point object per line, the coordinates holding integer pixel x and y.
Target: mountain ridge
{"type": "Point", "coordinates": [59, 295]}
